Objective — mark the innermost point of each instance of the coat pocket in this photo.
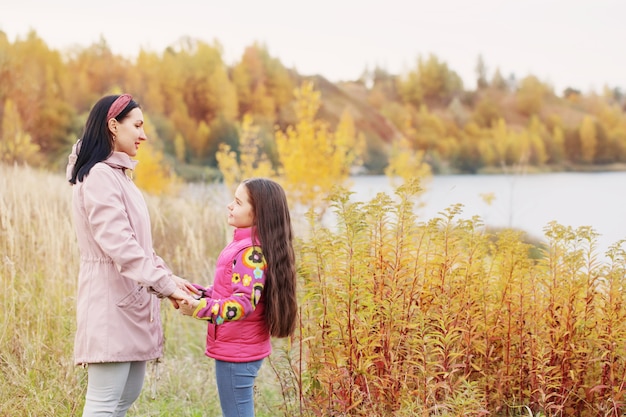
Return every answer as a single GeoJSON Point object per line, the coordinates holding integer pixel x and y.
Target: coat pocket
{"type": "Point", "coordinates": [136, 298]}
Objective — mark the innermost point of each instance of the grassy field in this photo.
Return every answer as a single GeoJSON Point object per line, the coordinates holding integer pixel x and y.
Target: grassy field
{"type": "Point", "coordinates": [399, 316]}
{"type": "Point", "coordinates": [38, 270]}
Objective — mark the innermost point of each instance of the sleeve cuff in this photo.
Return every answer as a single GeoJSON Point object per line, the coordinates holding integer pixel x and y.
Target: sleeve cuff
{"type": "Point", "coordinates": [200, 306]}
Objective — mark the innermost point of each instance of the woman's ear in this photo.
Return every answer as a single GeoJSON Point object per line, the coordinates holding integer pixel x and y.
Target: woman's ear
{"type": "Point", "coordinates": [112, 124]}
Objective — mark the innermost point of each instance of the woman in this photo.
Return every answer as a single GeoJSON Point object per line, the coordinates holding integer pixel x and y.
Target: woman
{"type": "Point", "coordinates": [121, 277]}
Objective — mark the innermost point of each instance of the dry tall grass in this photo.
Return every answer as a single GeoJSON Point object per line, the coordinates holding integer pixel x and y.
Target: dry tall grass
{"type": "Point", "coordinates": [38, 270]}
{"type": "Point", "coordinates": [399, 316]}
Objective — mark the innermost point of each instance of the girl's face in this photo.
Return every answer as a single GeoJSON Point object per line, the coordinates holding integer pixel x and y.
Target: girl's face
{"type": "Point", "coordinates": [240, 211]}
{"type": "Point", "coordinates": [129, 132]}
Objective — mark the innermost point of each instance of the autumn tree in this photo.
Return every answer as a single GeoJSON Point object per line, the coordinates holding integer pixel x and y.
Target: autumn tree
{"type": "Point", "coordinates": [16, 145]}
{"type": "Point", "coordinates": [252, 161]}
{"type": "Point", "coordinates": [148, 78]}
{"type": "Point", "coordinates": [427, 131]}
{"type": "Point", "coordinates": [406, 163]}
{"type": "Point", "coordinates": [554, 138]}
{"type": "Point", "coordinates": [201, 138]}
{"type": "Point", "coordinates": [263, 84]}
{"type": "Point", "coordinates": [536, 132]}
{"type": "Point", "coordinates": [486, 112]}
{"type": "Point", "coordinates": [313, 160]}
{"type": "Point", "coordinates": [481, 73]}
{"type": "Point", "coordinates": [179, 148]}
{"type": "Point", "coordinates": [588, 139]}
{"type": "Point", "coordinates": [497, 81]}
{"type": "Point", "coordinates": [5, 65]}
{"type": "Point", "coordinates": [557, 150]}
{"type": "Point", "coordinates": [153, 173]}
{"type": "Point", "coordinates": [431, 81]}
{"type": "Point", "coordinates": [384, 89]}
{"type": "Point", "coordinates": [501, 140]}
{"type": "Point", "coordinates": [530, 95]}
{"type": "Point", "coordinates": [37, 86]}
{"type": "Point", "coordinates": [207, 90]}
{"type": "Point", "coordinates": [95, 71]}
{"type": "Point", "coordinates": [346, 134]}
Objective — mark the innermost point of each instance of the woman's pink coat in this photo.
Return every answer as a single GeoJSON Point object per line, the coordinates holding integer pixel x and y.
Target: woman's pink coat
{"type": "Point", "coordinates": [118, 312]}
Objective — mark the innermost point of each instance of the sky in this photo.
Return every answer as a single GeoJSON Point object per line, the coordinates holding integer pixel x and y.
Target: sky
{"type": "Point", "coordinates": [566, 43]}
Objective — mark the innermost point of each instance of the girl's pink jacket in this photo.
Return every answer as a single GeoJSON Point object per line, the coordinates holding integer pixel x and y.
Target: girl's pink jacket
{"type": "Point", "coordinates": [234, 306]}
{"type": "Point", "coordinates": [118, 312]}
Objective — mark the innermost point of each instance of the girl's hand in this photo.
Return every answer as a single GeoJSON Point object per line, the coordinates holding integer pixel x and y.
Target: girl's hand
{"type": "Point", "coordinates": [187, 307]}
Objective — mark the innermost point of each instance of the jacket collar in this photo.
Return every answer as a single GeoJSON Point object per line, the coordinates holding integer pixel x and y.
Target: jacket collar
{"type": "Point", "coordinates": [120, 160]}
{"type": "Point", "coordinates": [243, 233]}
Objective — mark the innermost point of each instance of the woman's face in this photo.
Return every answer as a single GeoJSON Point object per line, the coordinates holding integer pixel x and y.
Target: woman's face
{"type": "Point", "coordinates": [240, 211]}
{"type": "Point", "coordinates": [129, 132]}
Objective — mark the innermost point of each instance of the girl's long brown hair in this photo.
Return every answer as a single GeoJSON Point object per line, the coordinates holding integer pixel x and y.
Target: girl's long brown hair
{"type": "Point", "coordinates": [274, 231]}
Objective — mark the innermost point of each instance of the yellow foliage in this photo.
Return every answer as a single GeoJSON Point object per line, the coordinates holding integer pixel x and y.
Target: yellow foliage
{"type": "Point", "coordinates": [539, 155]}
{"type": "Point", "coordinates": [558, 140]}
{"type": "Point", "coordinates": [432, 79]}
{"type": "Point", "coordinates": [313, 159]}
{"type": "Point", "coordinates": [501, 137]}
{"type": "Point", "coordinates": [16, 145]}
{"type": "Point", "coordinates": [406, 163]}
{"type": "Point", "coordinates": [228, 165]}
{"type": "Point", "coordinates": [588, 139]}
{"type": "Point", "coordinates": [253, 162]}
{"type": "Point", "coordinates": [530, 95]}
{"type": "Point", "coordinates": [201, 139]}
{"type": "Point", "coordinates": [152, 174]}
{"type": "Point", "coordinates": [179, 148]}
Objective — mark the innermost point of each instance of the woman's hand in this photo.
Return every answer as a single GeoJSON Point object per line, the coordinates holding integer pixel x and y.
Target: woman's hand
{"type": "Point", "coordinates": [185, 285]}
{"type": "Point", "coordinates": [180, 296]}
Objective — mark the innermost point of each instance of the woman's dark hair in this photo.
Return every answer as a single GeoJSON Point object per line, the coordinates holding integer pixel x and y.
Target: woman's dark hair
{"type": "Point", "coordinates": [97, 142]}
{"type": "Point", "coordinates": [273, 229]}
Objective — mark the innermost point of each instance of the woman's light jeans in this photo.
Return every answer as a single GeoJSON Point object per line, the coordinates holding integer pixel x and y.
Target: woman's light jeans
{"type": "Point", "coordinates": [112, 387]}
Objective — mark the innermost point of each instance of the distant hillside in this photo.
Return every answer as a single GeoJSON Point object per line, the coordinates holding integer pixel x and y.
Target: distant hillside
{"type": "Point", "coordinates": [196, 102]}
{"type": "Point", "coordinates": [337, 98]}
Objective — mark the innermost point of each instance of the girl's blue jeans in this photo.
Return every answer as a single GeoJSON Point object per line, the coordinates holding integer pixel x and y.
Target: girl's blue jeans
{"type": "Point", "coordinates": [235, 385]}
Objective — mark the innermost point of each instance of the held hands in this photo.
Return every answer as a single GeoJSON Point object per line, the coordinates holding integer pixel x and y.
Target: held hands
{"type": "Point", "coordinates": [184, 292]}
{"type": "Point", "coordinates": [185, 285]}
{"type": "Point", "coordinates": [187, 307]}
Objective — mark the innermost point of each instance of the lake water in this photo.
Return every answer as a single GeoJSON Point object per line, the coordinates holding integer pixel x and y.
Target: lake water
{"type": "Point", "coordinates": [527, 202]}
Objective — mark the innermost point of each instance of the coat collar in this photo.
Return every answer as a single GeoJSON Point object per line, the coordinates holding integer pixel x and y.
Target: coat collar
{"type": "Point", "coordinates": [120, 160]}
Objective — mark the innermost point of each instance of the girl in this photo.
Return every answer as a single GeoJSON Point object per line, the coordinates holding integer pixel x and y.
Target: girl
{"type": "Point", "coordinates": [253, 295]}
{"type": "Point", "coordinates": [118, 316]}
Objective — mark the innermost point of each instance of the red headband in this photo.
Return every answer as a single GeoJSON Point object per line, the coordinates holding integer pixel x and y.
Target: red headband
{"type": "Point", "coordinates": [118, 105]}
